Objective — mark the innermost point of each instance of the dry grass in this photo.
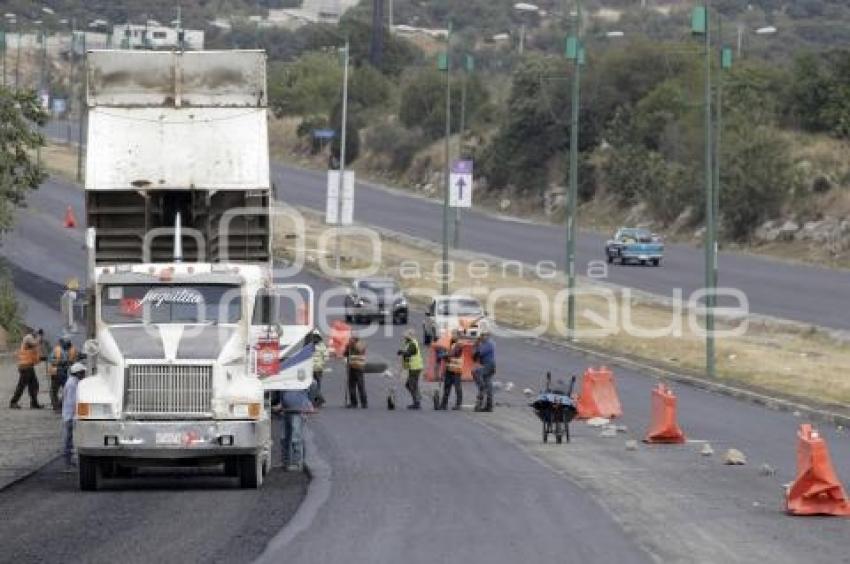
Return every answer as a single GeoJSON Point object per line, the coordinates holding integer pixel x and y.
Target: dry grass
{"type": "Point", "coordinates": [789, 360]}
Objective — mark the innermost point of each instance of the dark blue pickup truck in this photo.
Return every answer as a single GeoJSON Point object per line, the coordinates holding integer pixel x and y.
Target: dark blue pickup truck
{"type": "Point", "coordinates": [635, 244]}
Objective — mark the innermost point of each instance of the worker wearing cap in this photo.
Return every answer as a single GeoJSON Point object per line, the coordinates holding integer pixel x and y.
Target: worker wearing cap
{"type": "Point", "coordinates": [64, 354]}
{"type": "Point", "coordinates": [28, 357]}
{"type": "Point", "coordinates": [453, 363]}
{"type": "Point", "coordinates": [485, 355]}
{"type": "Point", "coordinates": [411, 360]}
{"type": "Point", "coordinates": [76, 372]}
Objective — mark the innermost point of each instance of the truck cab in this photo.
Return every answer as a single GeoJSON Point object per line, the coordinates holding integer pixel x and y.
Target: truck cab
{"type": "Point", "coordinates": [187, 330]}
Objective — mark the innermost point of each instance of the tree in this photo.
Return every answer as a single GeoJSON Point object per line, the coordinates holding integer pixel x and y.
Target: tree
{"type": "Point", "coordinates": [310, 85]}
{"type": "Point", "coordinates": [19, 173]}
{"type": "Point", "coordinates": [423, 101]}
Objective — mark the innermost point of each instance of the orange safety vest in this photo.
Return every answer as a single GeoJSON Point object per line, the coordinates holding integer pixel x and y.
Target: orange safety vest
{"type": "Point", "coordinates": [27, 357]}
{"type": "Point", "coordinates": [454, 363]}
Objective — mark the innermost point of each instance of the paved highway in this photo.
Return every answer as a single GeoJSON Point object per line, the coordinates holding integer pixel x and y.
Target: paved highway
{"type": "Point", "coordinates": [799, 292]}
{"type": "Point", "coordinates": [445, 487]}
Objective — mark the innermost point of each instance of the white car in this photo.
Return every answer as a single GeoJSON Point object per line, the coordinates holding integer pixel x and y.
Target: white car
{"type": "Point", "coordinates": [444, 314]}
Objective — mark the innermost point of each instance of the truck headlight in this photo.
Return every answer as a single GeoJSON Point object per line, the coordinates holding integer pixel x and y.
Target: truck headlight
{"type": "Point", "coordinates": [94, 410]}
{"type": "Point", "coordinates": [246, 410]}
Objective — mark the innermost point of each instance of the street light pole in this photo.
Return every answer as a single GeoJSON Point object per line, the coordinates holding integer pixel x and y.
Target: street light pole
{"type": "Point", "coordinates": [572, 203]}
{"type": "Point", "coordinates": [447, 188]}
{"type": "Point", "coordinates": [343, 140]}
{"type": "Point", "coordinates": [702, 24]}
{"type": "Point", "coordinates": [81, 71]}
{"type": "Point", "coordinates": [468, 66]}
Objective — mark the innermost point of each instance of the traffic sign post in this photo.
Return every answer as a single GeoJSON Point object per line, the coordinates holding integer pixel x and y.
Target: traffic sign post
{"type": "Point", "coordinates": [460, 184]}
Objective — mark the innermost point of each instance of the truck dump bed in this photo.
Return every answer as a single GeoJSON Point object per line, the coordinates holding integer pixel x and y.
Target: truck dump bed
{"type": "Point", "coordinates": [173, 132]}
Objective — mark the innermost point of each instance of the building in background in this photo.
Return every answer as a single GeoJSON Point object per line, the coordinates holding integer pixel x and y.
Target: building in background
{"type": "Point", "coordinates": [133, 36]}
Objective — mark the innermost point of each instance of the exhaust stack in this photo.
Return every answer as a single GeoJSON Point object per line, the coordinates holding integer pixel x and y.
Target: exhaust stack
{"type": "Point", "coordinates": [178, 239]}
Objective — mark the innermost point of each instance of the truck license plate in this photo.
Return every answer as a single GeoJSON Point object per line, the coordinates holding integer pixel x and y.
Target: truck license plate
{"type": "Point", "coordinates": [168, 438]}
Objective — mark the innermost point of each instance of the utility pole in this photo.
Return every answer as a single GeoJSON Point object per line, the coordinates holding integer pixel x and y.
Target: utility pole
{"type": "Point", "coordinates": [17, 55]}
{"type": "Point", "coordinates": [575, 51]}
{"type": "Point", "coordinates": [3, 46]}
{"type": "Point", "coordinates": [469, 66]}
{"type": "Point", "coordinates": [343, 140]}
{"type": "Point", "coordinates": [446, 65]}
{"type": "Point", "coordinates": [701, 24]}
{"type": "Point", "coordinates": [81, 73]}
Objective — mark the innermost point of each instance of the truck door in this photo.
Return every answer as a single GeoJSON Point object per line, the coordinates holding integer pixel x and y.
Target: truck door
{"type": "Point", "coordinates": [283, 318]}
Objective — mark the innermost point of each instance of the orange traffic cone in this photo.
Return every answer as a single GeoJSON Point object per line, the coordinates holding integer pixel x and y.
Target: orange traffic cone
{"type": "Point", "coordinates": [598, 396]}
{"type": "Point", "coordinates": [70, 220]}
{"type": "Point", "coordinates": [663, 427]}
{"type": "Point", "coordinates": [816, 490]}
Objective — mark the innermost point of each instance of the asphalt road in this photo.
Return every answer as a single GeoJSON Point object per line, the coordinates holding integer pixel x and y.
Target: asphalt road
{"type": "Point", "coordinates": [445, 487]}
{"type": "Point", "coordinates": [799, 292]}
{"type": "Point", "coordinates": [802, 293]}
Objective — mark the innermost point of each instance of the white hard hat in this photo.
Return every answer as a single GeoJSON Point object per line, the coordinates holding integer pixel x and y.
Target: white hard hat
{"type": "Point", "coordinates": [77, 368]}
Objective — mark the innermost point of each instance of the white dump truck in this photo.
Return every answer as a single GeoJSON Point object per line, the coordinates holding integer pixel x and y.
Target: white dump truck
{"type": "Point", "coordinates": [186, 328]}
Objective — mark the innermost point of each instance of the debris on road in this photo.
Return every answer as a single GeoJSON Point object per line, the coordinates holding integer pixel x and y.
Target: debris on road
{"type": "Point", "coordinates": [631, 444]}
{"type": "Point", "coordinates": [608, 432]}
{"type": "Point", "coordinates": [707, 450]}
{"type": "Point", "coordinates": [734, 457]}
{"type": "Point", "coordinates": [597, 422]}
{"type": "Point", "coordinates": [767, 470]}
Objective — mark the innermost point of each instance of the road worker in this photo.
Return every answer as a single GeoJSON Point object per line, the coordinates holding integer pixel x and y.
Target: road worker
{"type": "Point", "coordinates": [293, 407]}
{"type": "Point", "coordinates": [28, 357]}
{"type": "Point", "coordinates": [63, 355]}
{"type": "Point", "coordinates": [485, 355]}
{"type": "Point", "coordinates": [76, 372]}
{"type": "Point", "coordinates": [453, 370]}
{"type": "Point", "coordinates": [320, 357]}
{"type": "Point", "coordinates": [411, 360]}
{"type": "Point", "coordinates": [356, 355]}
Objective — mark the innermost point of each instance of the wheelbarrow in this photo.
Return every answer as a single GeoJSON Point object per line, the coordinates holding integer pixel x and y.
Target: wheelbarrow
{"type": "Point", "coordinates": [556, 409]}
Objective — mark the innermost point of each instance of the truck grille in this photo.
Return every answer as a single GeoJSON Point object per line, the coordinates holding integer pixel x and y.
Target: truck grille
{"type": "Point", "coordinates": [176, 390]}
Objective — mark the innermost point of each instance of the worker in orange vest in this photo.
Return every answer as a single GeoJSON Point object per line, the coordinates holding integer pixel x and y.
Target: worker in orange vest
{"type": "Point", "coordinates": [28, 357]}
{"type": "Point", "coordinates": [64, 354]}
{"type": "Point", "coordinates": [356, 355]}
{"type": "Point", "coordinates": [453, 358]}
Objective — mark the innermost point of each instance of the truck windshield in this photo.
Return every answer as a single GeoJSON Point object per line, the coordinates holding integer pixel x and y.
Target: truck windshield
{"type": "Point", "coordinates": [171, 303]}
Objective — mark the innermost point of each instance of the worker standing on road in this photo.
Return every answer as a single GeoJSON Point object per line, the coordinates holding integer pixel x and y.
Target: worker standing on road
{"type": "Point", "coordinates": [356, 355]}
{"type": "Point", "coordinates": [28, 357]}
{"type": "Point", "coordinates": [293, 407]}
{"type": "Point", "coordinates": [64, 354]}
{"type": "Point", "coordinates": [485, 355]}
{"type": "Point", "coordinates": [320, 357]}
{"type": "Point", "coordinates": [76, 372]}
{"type": "Point", "coordinates": [453, 357]}
{"type": "Point", "coordinates": [411, 360]}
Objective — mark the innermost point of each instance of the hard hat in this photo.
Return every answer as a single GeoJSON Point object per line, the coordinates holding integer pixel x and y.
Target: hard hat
{"type": "Point", "coordinates": [77, 369]}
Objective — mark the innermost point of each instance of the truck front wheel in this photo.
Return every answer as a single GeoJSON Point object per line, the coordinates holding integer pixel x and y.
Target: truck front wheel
{"type": "Point", "coordinates": [89, 473]}
{"type": "Point", "coordinates": [250, 471]}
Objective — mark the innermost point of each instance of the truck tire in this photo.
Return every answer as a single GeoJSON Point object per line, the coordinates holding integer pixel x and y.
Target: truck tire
{"type": "Point", "coordinates": [250, 471]}
{"type": "Point", "coordinates": [656, 262]}
{"type": "Point", "coordinates": [89, 473]}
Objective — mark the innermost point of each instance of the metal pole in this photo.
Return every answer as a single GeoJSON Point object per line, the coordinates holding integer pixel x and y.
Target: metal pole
{"type": "Point", "coordinates": [717, 135]}
{"type": "Point", "coordinates": [710, 248]}
{"type": "Point", "coordinates": [573, 191]}
{"type": "Point", "coordinates": [18, 56]}
{"type": "Point", "coordinates": [461, 154]}
{"type": "Point", "coordinates": [445, 270]}
{"type": "Point", "coordinates": [4, 56]}
{"type": "Point", "coordinates": [81, 73]}
{"type": "Point", "coordinates": [343, 128]}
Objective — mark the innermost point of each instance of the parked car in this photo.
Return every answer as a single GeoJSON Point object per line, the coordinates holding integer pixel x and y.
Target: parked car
{"type": "Point", "coordinates": [635, 244]}
{"type": "Point", "coordinates": [447, 313]}
{"type": "Point", "coordinates": [376, 299]}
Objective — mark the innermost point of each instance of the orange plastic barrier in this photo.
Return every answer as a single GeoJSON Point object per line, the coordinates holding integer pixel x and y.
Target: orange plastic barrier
{"type": "Point", "coordinates": [70, 221]}
{"type": "Point", "coordinates": [338, 340]}
{"type": "Point", "coordinates": [816, 490]}
{"type": "Point", "coordinates": [663, 427]}
{"type": "Point", "coordinates": [598, 396]}
{"type": "Point", "coordinates": [434, 367]}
